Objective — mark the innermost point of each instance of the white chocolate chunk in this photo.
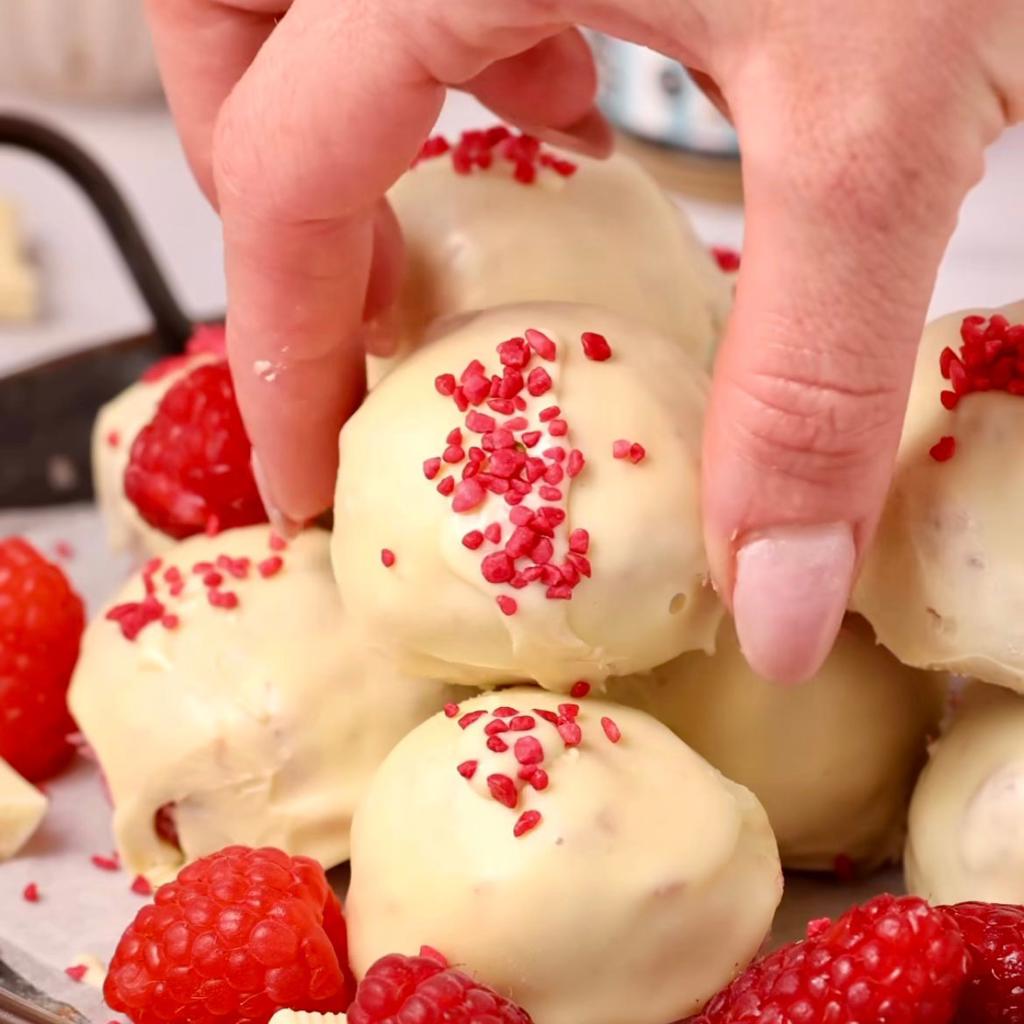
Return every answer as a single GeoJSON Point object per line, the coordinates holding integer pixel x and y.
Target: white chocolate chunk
{"type": "Point", "coordinates": [22, 807]}
{"type": "Point", "coordinates": [19, 285]}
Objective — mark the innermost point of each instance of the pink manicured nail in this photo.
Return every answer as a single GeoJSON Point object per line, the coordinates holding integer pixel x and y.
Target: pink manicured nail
{"type": "Point", "coordinates": [282, 524]}
{"type": "Point", "coordinates": [791, 591]}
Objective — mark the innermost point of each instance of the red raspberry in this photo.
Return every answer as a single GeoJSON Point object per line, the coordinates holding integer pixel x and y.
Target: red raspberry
{"type": "Point", "coordinates": [239, 935]}
{"type": "Point", "coordinates": [190, 464]}
{"type": "Point", "coordinates": [41, 622]}
{"type": "Point", "coordinates": [399, 989]}
{"type": "Point", "coordinates": [994, 993]}
{"type": "Point", "coordinates": [890, 961]}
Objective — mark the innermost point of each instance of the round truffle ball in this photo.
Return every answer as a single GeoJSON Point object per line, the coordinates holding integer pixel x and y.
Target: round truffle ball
{"type": "Point", "coordinates": [966, 836]}
{"type": "Point", "coordinates": [227, 702]}
{"type": "Point", "coordinates": [624, 879]}
{"type": "Point", "coordinates": [551, 533]}
{"type": "Point", "coordinates": [943, 584]}
{"type": "Point", "coordinates": [833, 761]}
{"type": "Point", "coordinates": [602, 233]}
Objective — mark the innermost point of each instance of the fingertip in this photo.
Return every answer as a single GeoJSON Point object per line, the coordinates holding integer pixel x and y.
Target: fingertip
{"type": "Point", "coordinates": [791, 592]}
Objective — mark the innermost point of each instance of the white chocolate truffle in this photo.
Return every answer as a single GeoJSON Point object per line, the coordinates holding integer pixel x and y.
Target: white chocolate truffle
{"type": "Point", "coordinates": [647, 883]}
{"type": "Point", "coordinates": [258, 724]}
{"type": "Point", "coordinates": [634, 520]}
{"type": "Point", "coordinates": [943, 584]}
{"type": "Point", "coordinates": [966, 836]}
{"type": "Point", "coordinates": [116, 427]}
{"type": "Point", "coordinates": [607, 234]}
{"type": "Point", "coordinates": [833, 761]}
{"type": "Point", "coordinates": [22, 808]}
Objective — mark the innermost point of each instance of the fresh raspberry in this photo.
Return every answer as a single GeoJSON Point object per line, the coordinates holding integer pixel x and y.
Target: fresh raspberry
{"type": "Point", "coordinates": [189, 466]}
{"type": "Point", "coordinates": [41, 622]}
{"type": "Point", "coordinates": [239, 935]}
{"type": "Point", "coordinates": [403, 989]}
{"type": "Point", "coordinates": [994, 933]}
{"type": "Point", "coordinates": [206, 340]}
{"type": "Point", "coordinates": [891, 961]}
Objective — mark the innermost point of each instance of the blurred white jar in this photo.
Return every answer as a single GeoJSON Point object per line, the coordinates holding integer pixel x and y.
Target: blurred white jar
{"type": "Point", "coordinates": [93, 50]}
{"type": "Point", "coordinates": [653, 97]}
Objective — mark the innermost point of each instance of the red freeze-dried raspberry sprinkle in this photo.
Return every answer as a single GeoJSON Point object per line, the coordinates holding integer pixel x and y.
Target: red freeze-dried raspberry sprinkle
{"type": "Point", "coordinates": [526, 749]}
{"type": "Point", "coordinates": [162, 588]}
{"type": "Point", "coordinates": [990, 358]}
{"type": "Point", "coordinates": [728, 260]}
{"type": "Point", "coordinates": [483, 149]}
{"type": "Point", "coordinates": [494, 459]}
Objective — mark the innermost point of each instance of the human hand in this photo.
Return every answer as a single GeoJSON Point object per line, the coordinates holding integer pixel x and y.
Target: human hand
{"type": "Point", "coordinates": [862, 124]}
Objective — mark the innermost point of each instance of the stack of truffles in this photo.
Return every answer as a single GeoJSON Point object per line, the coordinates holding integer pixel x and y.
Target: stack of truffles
{"type": "Point", "coordinates": [502, 685]}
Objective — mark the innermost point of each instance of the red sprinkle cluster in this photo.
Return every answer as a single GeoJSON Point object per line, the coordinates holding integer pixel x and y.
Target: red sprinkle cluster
{"type": "Point", "coordinates": [479, 149]}
{"type": "Point", "coordinates": [160, 586]}
{"type": "Point", "coordinates": [499, 460]}
{"type": "Point", "coordinates": [510, 729]}
{"type": "Point", "coordinates": [991, 358]}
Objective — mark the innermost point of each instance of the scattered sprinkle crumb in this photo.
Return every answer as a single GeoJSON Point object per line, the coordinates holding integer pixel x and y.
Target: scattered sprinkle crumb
{"type": "Point", "coordinates": [526, 822]}
{"type": "Point", "coordinates": [141, 886]}
{"type": "Point", "coordinates": [944, 449]}
{"type": "Point", "coordinates": [611, 730]}
{"type": "Point", "coordinates": [728, 259]}
{"type": "Point", "coordinates": [30, 894]}
{"type": "Point", "coordinates": [595, 346]}
{"type": "Point", "coordinates": [111, 863]}
{"type": "Point", "coordinates": [387, 557]}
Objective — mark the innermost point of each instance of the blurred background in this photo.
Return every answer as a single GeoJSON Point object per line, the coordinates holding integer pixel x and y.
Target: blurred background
{"type": "Point", "coordinates": [86, 68]}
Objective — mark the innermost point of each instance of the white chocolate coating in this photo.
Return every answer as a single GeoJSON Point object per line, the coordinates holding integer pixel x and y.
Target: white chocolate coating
{"type": "Point", "coordinates": [116, 427]}
{"type": "Point", "coordinates": [22, 808]}
{"type": "Point", "coordinates": [966, 837]}
{"type": "Point", "coordinates": [833, 761]}
{"type": "Point", "coordinates": [607, 235]}
{"type": "Point", "coordinates": [262, 724]}
{"type": "Point", "coordinates": [943, 584]}
{"type": "Point", "coordinates": [649, 883]}
{"type": "Point", "coordinates": [647, 600]}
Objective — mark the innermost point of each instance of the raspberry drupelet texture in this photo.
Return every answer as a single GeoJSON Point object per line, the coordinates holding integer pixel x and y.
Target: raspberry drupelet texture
{"type": "Point", "coordinates": [994, 934]}
{"type": "Point", "coordinates": [239, 934]}
{"type": "Point", "coordinates": [420, 989]}
{"type": "Point", "coordinates": [41, 623]}
{"type": "Point", "coordinates": [891, 961]}
{"type": "Point", "coordinates": [190, 465]}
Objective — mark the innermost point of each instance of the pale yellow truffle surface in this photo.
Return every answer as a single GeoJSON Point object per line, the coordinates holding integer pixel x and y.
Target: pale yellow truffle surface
{"type": "Point", "coordinates": [943, 584]}
{"type": "Point", "coordinates": [259, 725]}
{"type": "Point", "coordinates": [649, 882]}
{"type": "Point", "coordinates": [833, 761]}
{"type": "Point", "coordinates": [966, 837]}
{"type": "Point", "coordinates": [608, 234]}
{"type": "Point", "coordinates": [647, 599]}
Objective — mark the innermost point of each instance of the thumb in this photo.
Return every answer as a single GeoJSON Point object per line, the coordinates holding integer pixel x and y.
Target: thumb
{"type": "Point", "coordinates": [846, 225]}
